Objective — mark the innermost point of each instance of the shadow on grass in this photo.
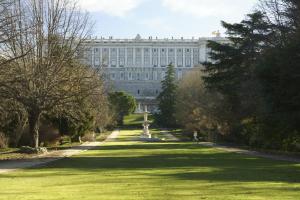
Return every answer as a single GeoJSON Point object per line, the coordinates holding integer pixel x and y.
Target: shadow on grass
{"type": "Point", "coordinates": [180, 161]}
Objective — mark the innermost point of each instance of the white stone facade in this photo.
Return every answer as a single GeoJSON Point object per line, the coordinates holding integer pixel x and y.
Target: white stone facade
{"type": "Point", "coordinates": [138, 66]}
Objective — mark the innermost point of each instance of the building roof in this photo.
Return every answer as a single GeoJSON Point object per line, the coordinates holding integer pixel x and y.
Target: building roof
{"type": "Point", "coordinates": [139, 39]}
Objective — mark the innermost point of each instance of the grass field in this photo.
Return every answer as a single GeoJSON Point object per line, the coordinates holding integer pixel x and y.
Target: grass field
{"type": "Point", "coordinates": [135, 120]}
{"type": "Point", "coordinates": [129, 169]}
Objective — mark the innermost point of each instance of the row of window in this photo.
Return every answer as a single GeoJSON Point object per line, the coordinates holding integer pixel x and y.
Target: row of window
{"type": "Point", "coordinates": [139, 76]}
{"type": "Point", "coordinates": [160, 57]}
{"type": "Point", "coordinates": [141, 92]}
{"type": "Point", "coordinates": [146, 50]}
{"type": "Point", "coordinates": [147, 62]}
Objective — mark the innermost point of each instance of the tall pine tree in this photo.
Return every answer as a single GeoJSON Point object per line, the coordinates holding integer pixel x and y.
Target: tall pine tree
{"type": "Point", "coordinates": [166, 99]}
{"type": "Point", "coordinates": [232, 72]}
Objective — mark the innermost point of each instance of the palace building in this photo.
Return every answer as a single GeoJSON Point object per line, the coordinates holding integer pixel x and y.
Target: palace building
{"type": "Point", "coordinates": [137, 66]}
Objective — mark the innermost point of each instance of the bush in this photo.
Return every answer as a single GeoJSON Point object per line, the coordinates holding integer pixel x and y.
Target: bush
{"type": "Point", "coordinates": [292, 143]}
{"type": "Point", "coordinates": [3, 140]}
{"type": "Point", "coordinates": [65, 140]}
{"type": "Point", "coordinates": [89, 137]}
{"type": "Point", "coordinates": [30, 150]}
{"type": "Point", "coordinates": [49, 135]}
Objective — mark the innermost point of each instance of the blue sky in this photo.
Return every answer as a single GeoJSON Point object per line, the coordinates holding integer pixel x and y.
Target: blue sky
{"type": "Point", "coordinates": [164, 18]}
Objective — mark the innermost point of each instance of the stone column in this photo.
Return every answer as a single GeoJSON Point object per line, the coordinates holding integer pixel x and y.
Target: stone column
{"type": "Point", "coordinates": [192, 57]}
{"type": "Point", "coordinates": [158, 65]}
{"type": "Point", "coordinates": [175, 64]}
{"type": "Point", "coordinates": [109, 61]}
{"type": "Point", "coordinates": [118, 57]}
{"type": "Point", "coordinates": [183, 57]}
{"type": "Point", "coordinates": [134, 56]}
{"type": "Point", "coordinates": [151, 57]}
{"type": "Point", "coordinates": [125, 57]}
{"type": "Point", "coordinates": [143, 57]}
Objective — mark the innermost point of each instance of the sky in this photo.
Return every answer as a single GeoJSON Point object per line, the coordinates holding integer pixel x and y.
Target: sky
{"type": "Point", "coordinates": [164, 18]}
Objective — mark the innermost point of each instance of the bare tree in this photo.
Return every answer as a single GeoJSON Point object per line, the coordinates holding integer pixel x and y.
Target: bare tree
{"type": "Point", "coordinates": [49, 34]}
{"type": "Point", "coordinates": [5, 23]}
{"type": "Point", "coordinates": [194, 103]}
{"type": "Point", "coordinates": [282, 15]}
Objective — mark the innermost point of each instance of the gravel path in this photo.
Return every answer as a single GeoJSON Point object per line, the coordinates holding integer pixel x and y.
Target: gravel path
{"type": "Point", "coordinates": [169, 136]}
{"type": "Point", "coordinates": [251, 153]}
{"type": "Point", "coordinates": [12, 165]}
{"type": "Point", "coordinates": [241, 151]}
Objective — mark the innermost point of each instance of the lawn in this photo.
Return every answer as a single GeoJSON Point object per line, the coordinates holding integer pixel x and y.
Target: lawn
{"type": "Point", "coordinates": [129, 169]}
{"type": "Point", "coordinates": [135, 120]}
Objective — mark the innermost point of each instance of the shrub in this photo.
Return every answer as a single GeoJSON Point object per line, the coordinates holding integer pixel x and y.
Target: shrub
{"type": "Point", "coordinates": [30, 150]}
{"type": "Point", "coordinates": [48, 134]}
{"type": "Point", "coordinates": [88, 137]}
{"type": "Point", "coordinates": [292, 143]}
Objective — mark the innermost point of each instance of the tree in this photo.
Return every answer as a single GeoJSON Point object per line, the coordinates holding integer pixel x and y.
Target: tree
{"type": "Point", "coordinates": [232, 72]}
{"type": "Point", "coordinates": [87, 114]}
{"type": "Point", "coordinates": [48, 77]}
{"type": "Point", "coordinates": [122, 104]}
{"type": "Point", "coordinates": [194, 104]}
{"type": "Point", "coordinates": [257, 75]}
{"type": "Point", "coordinates": [6, 21]}
{"type": "Point", "coordinates": [278, 72]}
{"type": "Point", "coordinates": [166, 99]}
{"type": "Point", "coordinates": [13, 120]}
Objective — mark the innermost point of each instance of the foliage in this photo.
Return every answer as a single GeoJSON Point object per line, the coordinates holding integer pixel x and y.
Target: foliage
{"type": "Point", "coordinates": [166, 99]}
{"type": "Point", "coordinates": [45, 79]}
{"type": "Point", "coordinates": [122, 104]}
{"type": "Point", "coordinates": [13, 120]}
{"type": "Point", "coordinates": [257, 75]}
{"type": "Point", "coordinates": [232, 74]}
{"type": "Point", "coordinates": [194, 104]}
{"type": "Point", "coordinates": [41, 78]}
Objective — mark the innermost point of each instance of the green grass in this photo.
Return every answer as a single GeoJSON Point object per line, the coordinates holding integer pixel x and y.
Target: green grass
{"type": "Point", "coordinates": [136, 120]}
{"type": "Point", "coordinates": [128, 169]}
{"type": "Point", "coordinates": [7, 150]}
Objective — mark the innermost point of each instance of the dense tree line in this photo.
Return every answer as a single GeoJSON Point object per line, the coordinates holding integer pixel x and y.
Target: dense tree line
{"type": "Point", "coordinates": [250, 92]}
{"type": "Point", "coordinates": [41, 79]}
{"type": "Point", "coordinates": [257, 74]}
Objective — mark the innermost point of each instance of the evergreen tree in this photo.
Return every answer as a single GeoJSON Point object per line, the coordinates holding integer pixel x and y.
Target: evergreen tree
{"type": "Point", "coordinates": [166, 99]}
{"type": "Point", "coordinates": [257, 74]}
{"type": "Point", "coordinates": [232, 72]}
{"type": "Point", "coordinates": [279, 74]}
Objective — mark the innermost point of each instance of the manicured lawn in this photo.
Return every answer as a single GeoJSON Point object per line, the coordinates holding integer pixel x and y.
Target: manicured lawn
{"type": "Point", "coordinates": [129, 169]}
{"type": "Point", "coordinates": [136, 120]}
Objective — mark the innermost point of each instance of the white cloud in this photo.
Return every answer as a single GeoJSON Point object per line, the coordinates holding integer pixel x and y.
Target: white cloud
{"type": "Point", "coordinates": [119, 8]}
{"type": "Point", "coordinates": [210, 8]}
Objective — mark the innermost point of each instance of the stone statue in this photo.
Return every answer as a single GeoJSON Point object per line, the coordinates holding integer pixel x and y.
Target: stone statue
{"type": "Point", "coordinates": [146, 124]}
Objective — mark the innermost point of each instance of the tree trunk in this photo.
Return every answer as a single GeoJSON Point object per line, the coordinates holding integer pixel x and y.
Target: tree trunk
{"type": "Point", "coordinates": [18, 132]}
{"type": "Point", "coordinates": [34, 122]}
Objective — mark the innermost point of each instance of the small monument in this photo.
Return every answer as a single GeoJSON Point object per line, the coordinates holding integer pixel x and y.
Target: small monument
{"type": "Point", "coordinates": [146, 124]}
{"type": "Point", "coordinates": [139, 109]}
